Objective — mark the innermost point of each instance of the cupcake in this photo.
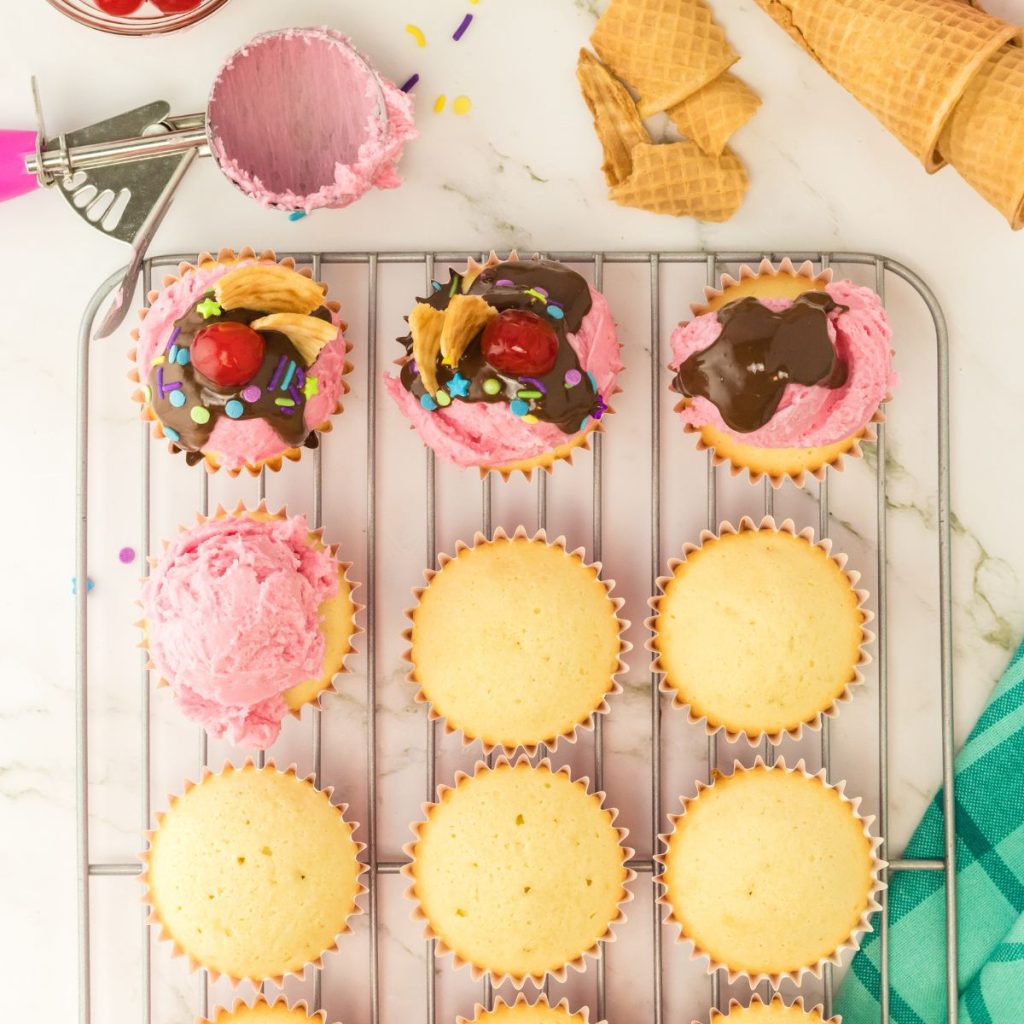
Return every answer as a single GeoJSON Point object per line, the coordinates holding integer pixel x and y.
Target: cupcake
{"type": "Point", "coordinates": [770, 873]}
{"type": "Point", "coordinates": [523, 1012]}
{"type": "Point", "coordinates": [759, 631]}
{"type": "Point", "coordinates": [293, 151]}
{"type": "Point", "coordinates": [535, 648]}
{"type": "Point", "coordinates": [264, 1012]}
{"type": "Point", "coordinates": [783, 372]}
{"type": "Point", "coordinates": [509, 366]}
{"type": "Point", "coordinates": [518, 872]}
{"type": "Point", "coordinates": [252, 874]}
{"type": "Point", "coordinates": [774, 1012]}
{"type": "Point", "coordinates": [248, 617]}
{"type": "Point", "coordinates": [241, 360]}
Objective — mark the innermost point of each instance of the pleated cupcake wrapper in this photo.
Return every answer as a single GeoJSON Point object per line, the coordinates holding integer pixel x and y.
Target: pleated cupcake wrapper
{"type": "Point", "coordinates": [853, 940]}
{"type": "Point", "coordinates": [840, 560]}
{"type": "Point", "coordinates": [713, 299]}
{"type": "Point", "coordinates": [225, 1014]}
{"type": "Point", "coordinates": [478, 971]}
{"type": "Point", "coordinates": [227, 257]}
{"type": "Point", "coordinates": [164, 935]}
{"type": "Point", "coordinates": [815, 1014]}
{"type": "Point", "coordinates": [551, 742]}
{"type": "Point", "coordinates": [481, 1014]}
{"type": "Point", "coordinates": [315, 538]}
{"type": "Point", "coordinates": [561, 453]}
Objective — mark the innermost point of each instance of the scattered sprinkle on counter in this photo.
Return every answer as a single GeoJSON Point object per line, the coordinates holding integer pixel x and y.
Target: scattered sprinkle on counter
{"type": "Point", "coordinates": [462, 104]}
{"type": "Point", "coordinates": [439, 104]}
{"type": "Point", "coordinates": [463, 25]}
{"type": "Point", "coordinates": [417, 33]}
{"type": "Point", "coordinates": [410, 82]}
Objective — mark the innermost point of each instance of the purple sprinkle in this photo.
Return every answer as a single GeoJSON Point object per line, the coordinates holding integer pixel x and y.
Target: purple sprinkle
{"type": "Point", "coordinates": [601, 408]}
{"type": "Point", "coordinates": [173, 386]}
{"type": "Point", "coordinates": [281, 364]}
{"type": "Point", "coordinates": [251, 393]}
{"type": "Point", "coordinates": [410, 82]}
{"type": "Point", "coordinates": [174, 338]}
{"type": "Point", "coordinates": [286, 409]}
{"type": "Point", "coordinates": [296, 394]}
{"type": "Point", "coordinates": [536, 383]}
{"type": "Point", "coordinates": [412, 366]}
{"type": "Point", "coordinates": [572, 378]}
{"type": "Point", "coordinates": [300, 377]}
{"type": "Point", "coordinates": [543, 291]}
{"type": "Point", "coordinates": [126, 555]}
{"type": "Point", "coordinates": [461, 30]}
{"type": "Point", "coordinates": [505, 283]}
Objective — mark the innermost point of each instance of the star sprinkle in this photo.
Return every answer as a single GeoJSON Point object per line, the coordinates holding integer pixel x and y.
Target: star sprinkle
{"type": "Point", "coordinates": [458, 386]}
{"type": "Point", "coordinates": [208, 308]}
{"type": "Point", "coordinates": [311, 387]}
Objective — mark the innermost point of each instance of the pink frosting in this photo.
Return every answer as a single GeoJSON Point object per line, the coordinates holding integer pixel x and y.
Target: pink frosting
{"type": "Point", "coordinates": [482, 434]}
{"type": "Point", "coordinates": [810, 417]}
{"type": "Point", "coordinates": [232, 618]}
{"type": "Point", "coordinates": [300, 120]}
{"type": "Point", "coordinates": [237, 442]}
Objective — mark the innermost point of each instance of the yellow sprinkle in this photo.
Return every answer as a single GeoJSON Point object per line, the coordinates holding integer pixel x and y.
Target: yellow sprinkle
{"type": "Point", "coordinates": [462, 105]}
{"type": "Point", "coordinates": [530, 418]}
{"type": "Point", "coordinates": [439, 104]}
{"type": "Point", "coordinates": [417, 33]}
{"type": "Point", "coordinates": [159, 360]}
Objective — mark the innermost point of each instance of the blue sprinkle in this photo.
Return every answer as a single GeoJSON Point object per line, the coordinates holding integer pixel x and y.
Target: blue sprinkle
{"type": "Point", "coordinates": [436, 285]}
{"type": "Point", "coordinates": [234, 408]}
{"type": "Point", "coordinates": [74, 585]}
{"type": "Point", "coordinates": [177, 399]}
{"type": "Point", "coordinates": [172, 433]}
{"type": "Point", "coordinates": [183, 357]}
{"type": "Point", "coordinates": [518, 407]}
{"type": "Point", "coordinates": [583, 422]}
{"type": "Point", "coordinates": [555, 313]}
{"type": "Point", "coordinates": [296, 215]}
{"type": "Point", "coordinates": [593, 383]}
{"type": "Point", "coordinates": [172, 356]}
{"type": "Point", "coordinates": [428, 403]}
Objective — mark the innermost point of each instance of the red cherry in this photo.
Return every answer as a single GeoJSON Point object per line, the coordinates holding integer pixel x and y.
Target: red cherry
{"type": "Point", "coordinates": [228, 353]}
{"type": "Point", "coordinates": [520, 342]}
{"type": "Point", "coordinates": [176, 6]}
{"type": "Point", "coordinates": [119, 8]}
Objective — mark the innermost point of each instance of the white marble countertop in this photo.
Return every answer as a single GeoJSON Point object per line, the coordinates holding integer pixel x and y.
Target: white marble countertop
{"type": "Point", "coordinates": [520, 170]}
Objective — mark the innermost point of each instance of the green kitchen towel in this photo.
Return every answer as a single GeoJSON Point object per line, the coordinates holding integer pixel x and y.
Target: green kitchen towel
{"type": "Point", "coordinates": [990, 889]}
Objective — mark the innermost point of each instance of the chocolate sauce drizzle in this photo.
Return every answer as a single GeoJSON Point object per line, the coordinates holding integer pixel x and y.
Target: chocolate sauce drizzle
{"type": "Point", "coordinates": [566, 395]}
{"type": "Point", "coordinates": [745, 371]}
{"type": "Point", "coordinates": [276, 393]}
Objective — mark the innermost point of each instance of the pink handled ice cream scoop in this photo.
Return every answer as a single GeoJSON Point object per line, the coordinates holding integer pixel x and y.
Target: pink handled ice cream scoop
{"type": "Point", "coordinates": [298, 119]}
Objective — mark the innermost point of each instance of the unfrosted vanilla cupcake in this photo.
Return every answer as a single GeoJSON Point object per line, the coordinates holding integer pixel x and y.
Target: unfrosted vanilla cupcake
{"type": "Point", "coordinates": [264, 1012]}
{"type": "Point", "coordinates": [523, 1012]}
{"type": "Point", "coordinates": [770, 873]}
{"type": "Point", "coordinates": [774, 1012]}
{"type": "Point", "coordinates": [252, 874]}
{"type": "Point", "coordinates": [515, 641]}
{"type": "Point", "coordinates": [518, 872]}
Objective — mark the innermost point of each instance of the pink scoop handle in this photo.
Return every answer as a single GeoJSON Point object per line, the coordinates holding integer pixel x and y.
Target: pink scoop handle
{"type": "Point", "coordinates": [14, 179]}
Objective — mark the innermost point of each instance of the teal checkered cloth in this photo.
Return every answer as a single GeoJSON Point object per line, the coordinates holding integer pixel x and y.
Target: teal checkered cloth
{"type": "Point", "coordinates": [990, 889]}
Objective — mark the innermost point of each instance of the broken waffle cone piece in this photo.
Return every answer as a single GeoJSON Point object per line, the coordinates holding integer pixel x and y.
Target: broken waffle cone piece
{"type": "Point", "coordinates": [463, 320]}
{"type": "Point", "coordinates": [712, 115]}
{"type": "Point", "coordinates": [425, 325]}
{"type": "Point", "coordinates": [678, 179]}
{"type": "Point", "coordinates": [268, 286]}
{"type": "Point", "coordinates": [617, 121]}
{"type": "Point", "coordinates": [666, 49]}
{"type": "Point", "coordinates": [309, 334]}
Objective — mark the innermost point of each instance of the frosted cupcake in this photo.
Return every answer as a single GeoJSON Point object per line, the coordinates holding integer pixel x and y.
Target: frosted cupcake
{"type": "Point", "coordinates": [777, 1011]}
{"type": "Point", "coordinates": [248, 617]}
{"type": "Point", "coordinates": [783, 372]}
{"type": "Point", "coordinates": [523, 1012]}
{"type": "Point", "coordinates": [509, 366]}
{"type": "Point", "coordinates": [241, 360]}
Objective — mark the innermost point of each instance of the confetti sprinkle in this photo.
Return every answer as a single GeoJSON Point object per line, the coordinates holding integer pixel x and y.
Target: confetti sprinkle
{"type": "Point", "coordinates": [147, 393]}
{"type": "Point", "coordinates": [530, 418]}
{"type": "Point", "coordinates": [183, 357]}
{"type": "Point", "coordinates": [572, 378]}
{"type": "Point", "coordinates": [126, 555]}
{"type": "Point", "coordinates": [289, 373]}
{"type": "Point", "coordinates": [74, 585]}
{"type": "Point", "coordinates": [528, 394]}
{"type": "Point", "coordinates": [277, 372]}
{"type": "Point", "coordinates": [251, 393]}
{"type": "Point", "coordinates": [297, 215]}
{"type": "Point", "coordinates": [518, 407]}
{"type": "Point", "coordinates": [311, 387]}
{"type": "Point", "coordinates": [209, 308]}
{"type": "Point", "coordinates": [436, 285]}
{"type": "Point", "coordinates": [428, 403]}
{"type": "Point", "coordinates": [505, 283]}
{"type": "Point", "coordinates": [462, 105]}
{"type": "Point", "coordinates": [172, 339]}
{"type": "Point", "coordinates": [556, 313]}
{"type": "Point", "coordinates": [443, 398]}
{"type": "Point", "coordinates": [285, 403]}
{"type": "Point", "coordinates": [200, 415]}
{"type": "Point", "coordinates": [171, 433]}
{"type": "Point", "coordinates": [439, 103]}
{"type": "Point", "coordinates": [172, 355]}
{"type": "Point", "coordinates": [536, 383]}
{"type": "Point", "coordinates": [463, 25]}
{"type": "Point", "coordinates": [492, 386]}
{"type": "Point", "coordinates": [234, 409]}
{"type": "Point", "coordinates": [177, 399]}
{"type": "Point", "coordinates": [410, 82]}
{"type": "Point", "coordinates": [417, 33]}
{"type": "Point", "coordinates": [458, 386]}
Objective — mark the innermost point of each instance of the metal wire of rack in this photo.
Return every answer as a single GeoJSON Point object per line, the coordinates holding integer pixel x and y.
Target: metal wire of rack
{"type": "Point", "coordinates": [88, 870]}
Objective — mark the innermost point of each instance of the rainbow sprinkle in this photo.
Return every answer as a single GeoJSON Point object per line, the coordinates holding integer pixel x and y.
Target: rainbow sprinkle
{"type": "Point", "coordinates": [439, 103]}
{"type": "Point", "coordinates": [462, 105]}
{"type": "Point", "coordinates": [463, 25]}
{"type": "Point", "coordinates": [410, 82]}
{"type": "Point", "coordinates": [417, 33]}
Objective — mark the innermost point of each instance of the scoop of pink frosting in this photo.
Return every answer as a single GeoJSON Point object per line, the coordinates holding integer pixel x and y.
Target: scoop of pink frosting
{"type": "Point", "coordinates": [232, 614]}
{"type": "Point", "coordinates": [299, 119]}
{"type": "Point", "coordinates": [810, 417]}
{"type": "Point", "coordinates": [485, 434]}
{"type": "Point", "coordinates": [236, 442]}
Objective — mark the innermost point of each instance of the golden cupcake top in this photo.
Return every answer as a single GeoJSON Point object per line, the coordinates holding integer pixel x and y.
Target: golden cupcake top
{"type": "Point", "coordinates": [523, 1012]}
{"type": "Point", "coordinates": [770, 872]}
{"type": "Point", "coordinates": [759, 630]}
{"type": "Point", "coordinates": [264, 1012]}
{"type": "Point", "coordinates": [253, 873]}
{"type": "Point", "coordinates": [774, 1012]}
{"type": "Point", "coordinates": [515, 641]}
{"type": "Point", "coordinates": [518, 871]}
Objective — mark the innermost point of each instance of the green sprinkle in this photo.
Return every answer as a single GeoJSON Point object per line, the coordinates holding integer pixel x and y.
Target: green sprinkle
{"type": "Point", "coordinates": [492, 386]}
{"type": "Point", "coordinates": [443, 398]}
{"type": "Point", "coordinates": [147, 393]}
{"type": "Point", "coordinates": [200, 415]}
{"type": "Point", "coordinates": [455, 286]}
{"type": "Point", "coordinates": [283, 401]}
{"type": "Point", "coordinates": [209, 307]}
{"type": "Point", "coordinates": [528, 394]}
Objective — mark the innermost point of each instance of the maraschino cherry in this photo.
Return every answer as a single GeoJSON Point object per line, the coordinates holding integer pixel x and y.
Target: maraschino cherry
{"type": "Point", "coordinates": [118, 8]}
{"type": "Point", "coordinates": [227, 353]}
{"type": "Point", "coordinates": [519, 342]}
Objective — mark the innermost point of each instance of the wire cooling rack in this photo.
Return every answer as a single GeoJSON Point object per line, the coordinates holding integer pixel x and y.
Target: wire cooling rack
{"type": "Point", "coordinates": [590, 490]}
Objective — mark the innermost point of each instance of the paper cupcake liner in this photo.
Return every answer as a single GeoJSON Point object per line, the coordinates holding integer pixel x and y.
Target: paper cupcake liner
{"type": "Point", "coordinates": [315, 538]}
{"type": "Point", "coordinates": [839, 559]}
{"type": "Point", "coordinates": [853, 940]}
{"type": "Point", "coordinates": [815, 1014]}
{"type": "Point", "coordinates": [560, 453]}
{"type": "Point", "coordinates": [586, 723]}
{"type": "Point", "coordinates": [478, 971]}
{"type": "Point", "coordinates": [226, 257]}
{"type": "Point", "coordinates": [160, 928]}
{"type": "Point", "coordinates": [792, 280]}
{"type": "Point", "coordinates": [225, 1014]}
{"type": "Point", "coordinates": [481, 1013]}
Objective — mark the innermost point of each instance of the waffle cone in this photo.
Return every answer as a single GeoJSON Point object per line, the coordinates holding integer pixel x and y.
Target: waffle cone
{"type": "Point", "coordinates": [677, 178]}
{"type": "Point", "coordinates": [712, 115]}
{"type": "Point", "coordinates": [984, 139]}
{"type": "Point", "coordinates": [666, 49]}
{"type": "Point", "coordinates": [908, 61]}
